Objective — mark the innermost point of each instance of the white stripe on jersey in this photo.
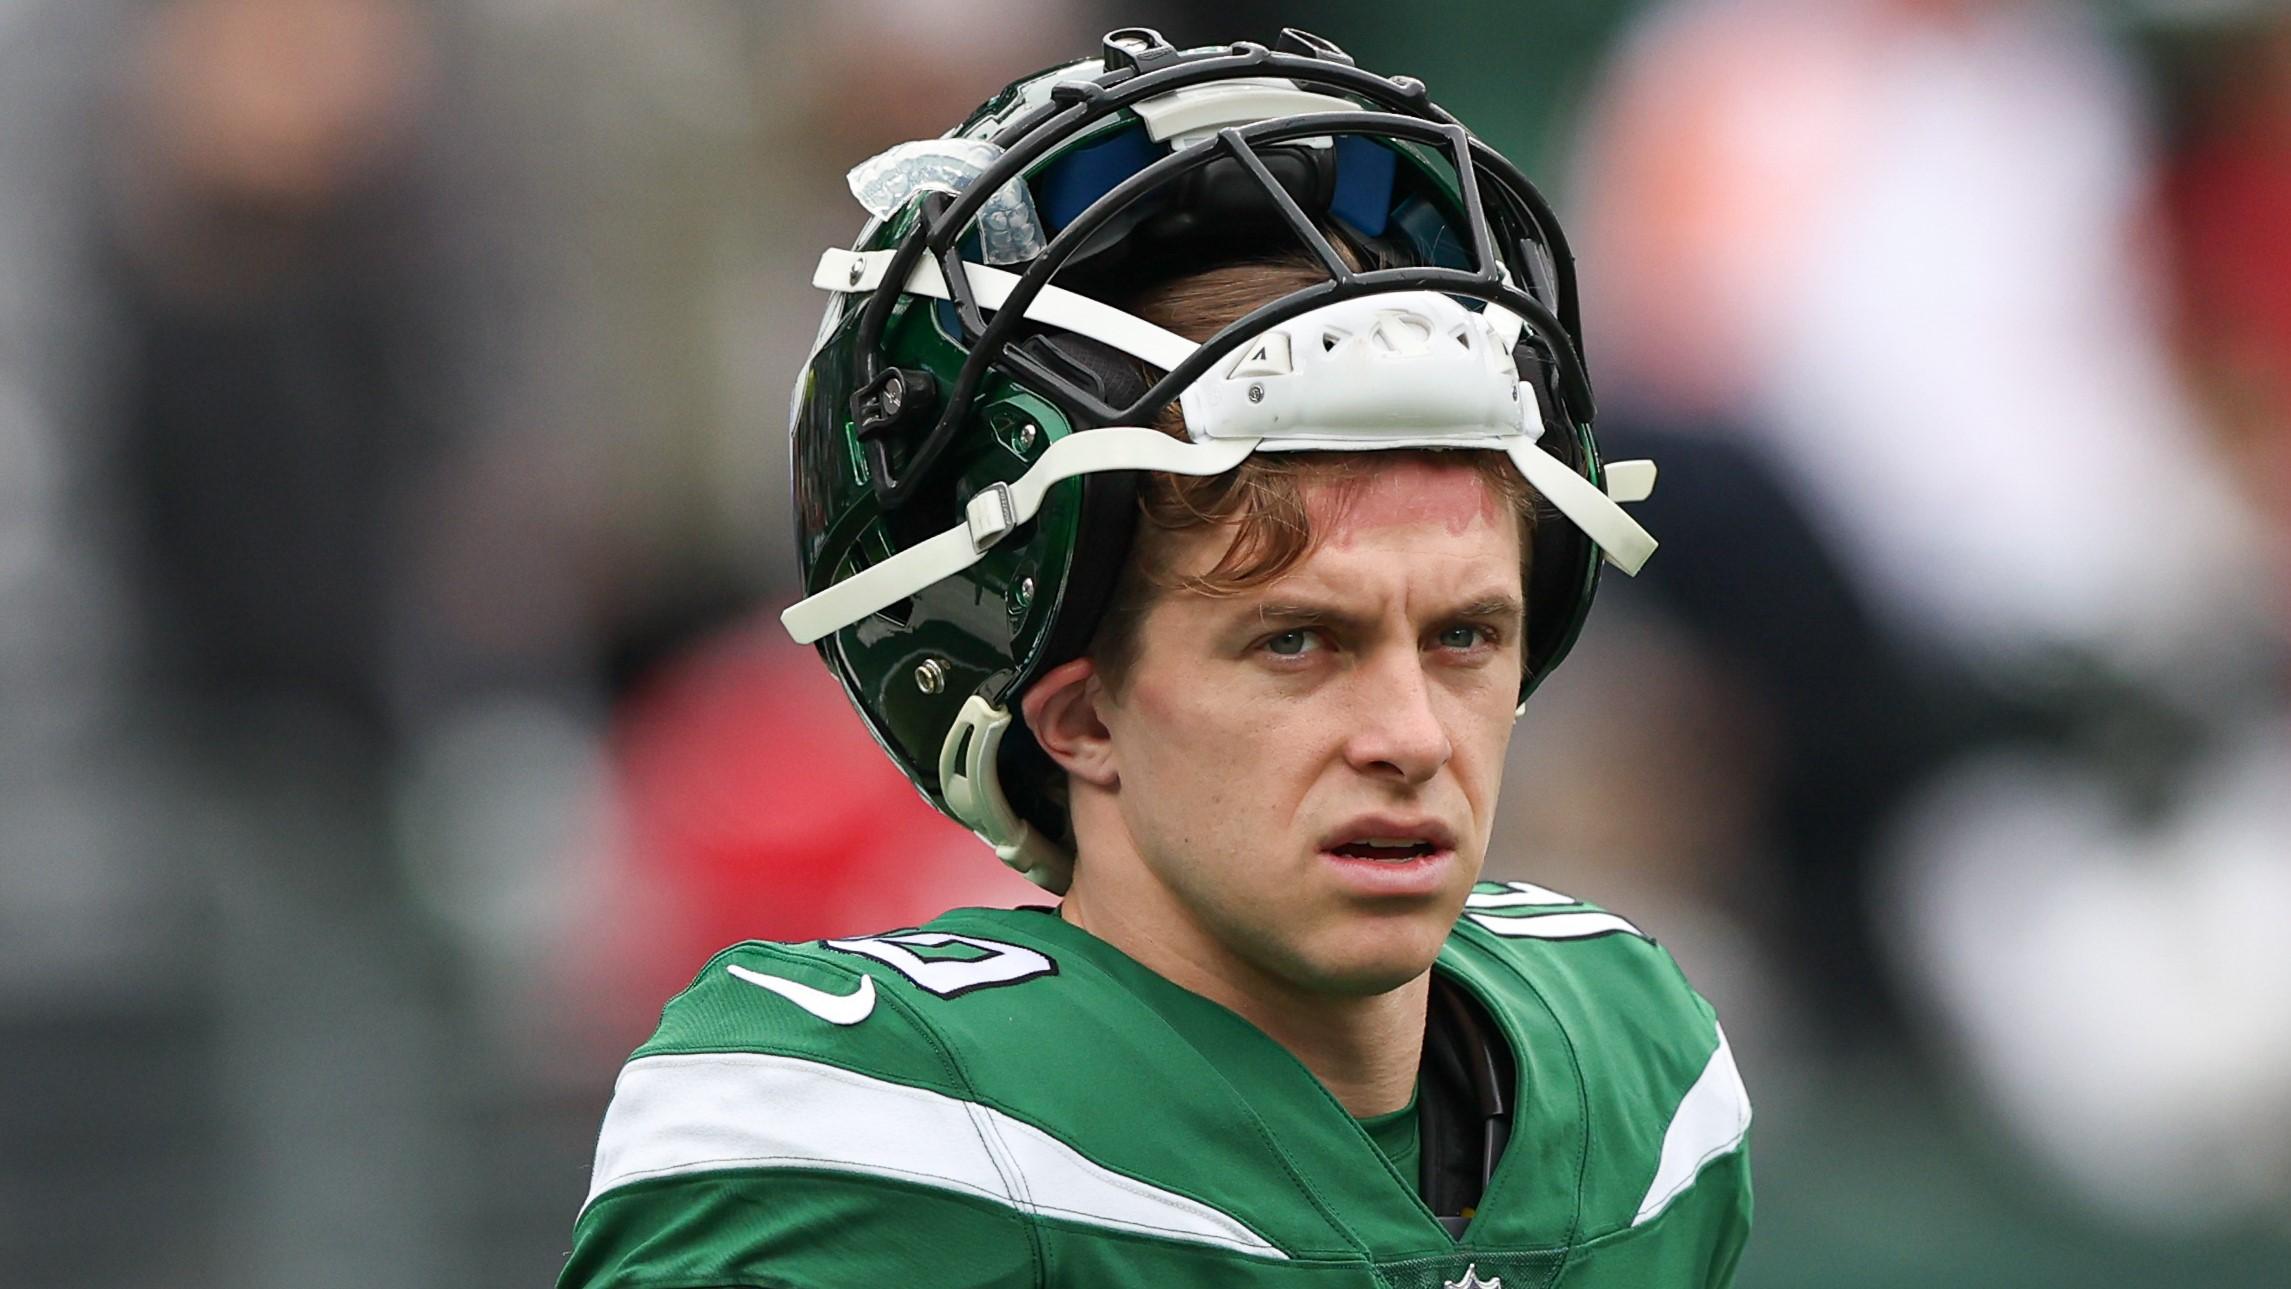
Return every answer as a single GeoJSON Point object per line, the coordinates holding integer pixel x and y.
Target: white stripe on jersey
{"type": "Point", "coordinates": [1556, 926]}
{"type": "Point", "coordinates": [702, 1112]}
{"type": "Point", "coordinates": [1711, 1120]}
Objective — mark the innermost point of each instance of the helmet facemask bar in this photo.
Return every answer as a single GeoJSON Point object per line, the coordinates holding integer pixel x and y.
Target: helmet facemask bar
{"type": "Point", "coordinates": [1487, 283]}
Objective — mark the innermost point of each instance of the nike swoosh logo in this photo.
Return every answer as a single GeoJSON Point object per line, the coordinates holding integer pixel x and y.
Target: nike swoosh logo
{"type": "Point", "coordinates": [835, 1009]}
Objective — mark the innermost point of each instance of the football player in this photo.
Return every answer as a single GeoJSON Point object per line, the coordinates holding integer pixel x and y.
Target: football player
{"type": "Point", "coordinates": [1194, 477]}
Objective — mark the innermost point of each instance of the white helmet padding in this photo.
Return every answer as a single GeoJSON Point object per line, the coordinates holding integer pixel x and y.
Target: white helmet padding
{"type": "Point", "coordinates": [1405, 369]}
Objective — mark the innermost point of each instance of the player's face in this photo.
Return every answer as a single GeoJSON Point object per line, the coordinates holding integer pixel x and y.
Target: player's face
{"type": "Point", "coordinates": [1310, 769]}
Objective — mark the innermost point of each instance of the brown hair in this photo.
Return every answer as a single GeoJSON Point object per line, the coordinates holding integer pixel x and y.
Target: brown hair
{"type": "Point", "coordinates": [1263, 498]}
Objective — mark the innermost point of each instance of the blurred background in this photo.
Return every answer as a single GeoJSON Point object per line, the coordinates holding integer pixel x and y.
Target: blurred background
{"type": "Point", "coordinates": [393, 519]}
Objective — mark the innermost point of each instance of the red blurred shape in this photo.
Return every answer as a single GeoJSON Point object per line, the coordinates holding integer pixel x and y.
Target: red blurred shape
{"type": "Point", "coordinates": [756, 806]}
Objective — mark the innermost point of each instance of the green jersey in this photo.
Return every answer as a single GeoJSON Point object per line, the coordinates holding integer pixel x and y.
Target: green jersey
{"type": "Point", "coordinates": [1002, 1099]}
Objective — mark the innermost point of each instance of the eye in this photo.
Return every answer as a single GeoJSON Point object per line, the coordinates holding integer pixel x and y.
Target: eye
{"type": "Point", "coordinates": [1462, 637]}
{"type": "Point", "coordinates": [1290, 644]}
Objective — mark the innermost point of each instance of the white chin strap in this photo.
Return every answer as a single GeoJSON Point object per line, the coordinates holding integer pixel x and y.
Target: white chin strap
{"type": "Point", "coordinates": [1407, 369]}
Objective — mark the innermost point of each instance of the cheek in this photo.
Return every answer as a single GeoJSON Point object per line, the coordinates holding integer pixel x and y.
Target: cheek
{"type": "Point", "coordinates": [1179, 739]}
{"type": "Point", "coordinates": [1236, 733]}
{"type": "Point", "coordinates": [1211, 772]}
{"type": "Point", "coordinates": [1482, 742]}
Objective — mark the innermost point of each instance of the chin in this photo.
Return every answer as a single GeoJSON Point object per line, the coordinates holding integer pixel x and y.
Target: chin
{"type": "Point", "coordinates": [1362, 962]}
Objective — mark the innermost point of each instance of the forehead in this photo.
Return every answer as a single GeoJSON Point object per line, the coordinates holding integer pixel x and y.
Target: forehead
{"type": "Point", "coordinates": [1447, 497]}
{"type": "Point", "coordinates": [1415, 518]}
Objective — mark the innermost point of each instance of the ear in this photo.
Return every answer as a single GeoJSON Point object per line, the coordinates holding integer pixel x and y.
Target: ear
{"type": "Point", "coordinates": [1061, 711]}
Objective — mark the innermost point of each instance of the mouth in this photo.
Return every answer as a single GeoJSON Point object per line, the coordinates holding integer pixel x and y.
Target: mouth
{"type": "Point", "coordinates": [1384, 850]}
{"type": "Point", "coordinates": [1382, 840]}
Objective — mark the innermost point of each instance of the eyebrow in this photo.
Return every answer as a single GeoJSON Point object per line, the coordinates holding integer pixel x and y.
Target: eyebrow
{"type": "Point", "coordinates": [1501, 608]}
{"type": "Point", "coordinates": [1504, 608]}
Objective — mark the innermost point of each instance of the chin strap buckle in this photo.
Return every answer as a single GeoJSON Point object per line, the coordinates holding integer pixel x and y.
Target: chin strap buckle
{"type": "Point", "coordinates": [990, 515]}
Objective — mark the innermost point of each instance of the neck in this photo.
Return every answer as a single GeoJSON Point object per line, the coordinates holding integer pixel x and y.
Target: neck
{"type": "Point", "coordinates": [1364, 1048]}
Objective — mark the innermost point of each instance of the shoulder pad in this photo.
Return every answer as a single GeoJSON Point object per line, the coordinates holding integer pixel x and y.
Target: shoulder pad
{"type": "Point", "coordinates": [1582, 959]}
{"type": "Point", "coordinates": [1661, 1089]}
{"type": "Point", "coordinates": [805, 1000]}
{"type": "Point", "coordinates": [773, 1045]}
{"type": "Point", "coordinates": [1526, 911]}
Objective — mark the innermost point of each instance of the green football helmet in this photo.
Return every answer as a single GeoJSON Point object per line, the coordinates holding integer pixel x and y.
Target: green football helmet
{"type": "Point", "coordinates": [968, 432]}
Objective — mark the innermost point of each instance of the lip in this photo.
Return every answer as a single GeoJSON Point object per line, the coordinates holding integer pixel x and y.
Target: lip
{"type": "Point", "coordinates": [1424, 875]}
{"type": "Point", "coordinates": [1362, 827]}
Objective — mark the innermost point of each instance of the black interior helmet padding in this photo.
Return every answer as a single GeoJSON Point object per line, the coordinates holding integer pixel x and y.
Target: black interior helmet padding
{"type": "Point", "coordinates": [1558, 549]}
{"type": "Point", "coordinates": [1101, 548]}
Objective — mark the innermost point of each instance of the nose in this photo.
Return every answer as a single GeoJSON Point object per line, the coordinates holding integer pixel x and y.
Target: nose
{"type": "Point", "coordinates": [1398, 733]}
